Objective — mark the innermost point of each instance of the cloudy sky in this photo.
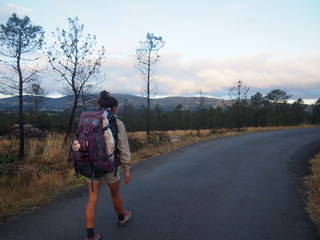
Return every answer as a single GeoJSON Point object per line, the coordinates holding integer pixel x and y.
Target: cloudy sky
{"type": "Point", "coordinates": [210, 44]}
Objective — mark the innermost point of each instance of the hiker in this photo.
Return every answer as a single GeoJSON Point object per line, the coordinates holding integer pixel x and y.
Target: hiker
{"type": "Point", "coordinates": [113, 180]}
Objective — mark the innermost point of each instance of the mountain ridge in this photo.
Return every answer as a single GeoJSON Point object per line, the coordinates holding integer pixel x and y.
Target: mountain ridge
{"type": "Point", "coordinates": [65, 102]}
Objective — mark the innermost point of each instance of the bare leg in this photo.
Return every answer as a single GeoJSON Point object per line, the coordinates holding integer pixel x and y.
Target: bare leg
{"type": "Point", "coordinates": [116, 198]}
{"type": "Point", "coordinates": [91, 205]}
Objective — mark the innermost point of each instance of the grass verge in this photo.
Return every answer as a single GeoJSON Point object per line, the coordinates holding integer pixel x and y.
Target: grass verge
{"type": "Point", "coordinates": [38, 179]}
{"type": "Point", "coordinates": [313, 184]}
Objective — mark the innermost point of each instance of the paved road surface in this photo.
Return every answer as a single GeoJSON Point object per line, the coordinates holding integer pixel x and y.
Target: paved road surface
{"type": "Point", "coordinates": [242, 187]}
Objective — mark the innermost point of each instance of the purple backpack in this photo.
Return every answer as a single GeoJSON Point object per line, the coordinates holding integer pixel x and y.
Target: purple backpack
{"type": "Point", "coordinates": [93, 149]}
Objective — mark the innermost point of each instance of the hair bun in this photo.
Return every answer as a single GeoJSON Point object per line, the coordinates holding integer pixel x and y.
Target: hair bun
{"type": "Point", "coordinates": [104, 94]}
{"type": "Point", "coordinates": [106, 101]}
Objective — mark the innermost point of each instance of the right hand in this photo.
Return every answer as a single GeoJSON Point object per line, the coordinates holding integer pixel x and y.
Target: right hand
{"type": "Point", "coordinates": [126, 177]}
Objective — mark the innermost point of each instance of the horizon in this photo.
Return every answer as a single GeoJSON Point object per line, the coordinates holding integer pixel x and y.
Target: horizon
{"type": "Point", "coordinates": [306, 101]}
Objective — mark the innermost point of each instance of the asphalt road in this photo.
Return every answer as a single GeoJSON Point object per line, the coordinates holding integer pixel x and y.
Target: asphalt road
{"type": "Point", "coordinates": [241, 187]}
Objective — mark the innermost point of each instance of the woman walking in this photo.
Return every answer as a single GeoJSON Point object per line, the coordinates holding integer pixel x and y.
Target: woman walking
{"type": "Point", "coordinates": [112, 179]}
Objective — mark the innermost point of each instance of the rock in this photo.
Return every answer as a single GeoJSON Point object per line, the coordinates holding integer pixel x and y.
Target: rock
{"type": "Point", "coordinates": [174, 138]}
{"type": "Point", "coordinates": [29, 131]}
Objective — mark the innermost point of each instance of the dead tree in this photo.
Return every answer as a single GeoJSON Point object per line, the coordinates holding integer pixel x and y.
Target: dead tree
{"type": "Point", "coordinates": [147, 57]}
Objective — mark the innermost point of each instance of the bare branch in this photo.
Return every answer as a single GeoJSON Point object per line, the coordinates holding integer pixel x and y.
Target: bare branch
{"type": "Point", "coordinates": [75, 60]}
{"type": "Point", "coordinates": [147, 56]}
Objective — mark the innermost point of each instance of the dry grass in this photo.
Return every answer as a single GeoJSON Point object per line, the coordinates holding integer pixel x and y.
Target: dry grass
{"type": "Point", "coordinates": [41, 176]}
{"type": "Point", "coordinates": [28, 189]}
{"type": "Point", "coordinates": [263, 129]}
{"type": "Point", "coordinates": [313, 183]}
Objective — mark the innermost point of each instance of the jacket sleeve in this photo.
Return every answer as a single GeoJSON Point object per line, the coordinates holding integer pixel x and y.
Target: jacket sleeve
{"type": "Point", "coordinates": [123, 146]}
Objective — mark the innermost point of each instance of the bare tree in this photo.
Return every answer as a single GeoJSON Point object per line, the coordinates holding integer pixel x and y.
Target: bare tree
{"type": "Point", "coordinates": [19, 42]}
{"type": "Point", "coordinates": [36, 98]}
{"type": "Point", "coordinates": [76, 60]}
{"type": "Point", "coordinates": [37, 95]}
{"type": "Point", "coordinates": [147, 57]}
{"type": "Point", "coordinates": [238, 94]}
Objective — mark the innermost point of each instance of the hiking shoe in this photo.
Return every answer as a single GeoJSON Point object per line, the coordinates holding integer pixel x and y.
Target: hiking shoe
{"type": "Point", "coordinates": [94, 237]}
{"type": "Point", "coordinates": [127, 215]}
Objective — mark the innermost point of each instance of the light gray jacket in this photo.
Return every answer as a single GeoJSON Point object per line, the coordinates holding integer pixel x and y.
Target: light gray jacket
{"type": "Point", "coordinates": [123, 146]}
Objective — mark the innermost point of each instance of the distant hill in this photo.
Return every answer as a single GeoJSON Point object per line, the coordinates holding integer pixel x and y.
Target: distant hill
{"type": "Point", "coordinates": [60, 104]}
{"type": "Point", "coordinates": [50, 104]}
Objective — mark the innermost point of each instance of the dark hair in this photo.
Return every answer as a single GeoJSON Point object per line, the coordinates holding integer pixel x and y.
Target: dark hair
{"type": "Point", "coordinates": [106, 101]}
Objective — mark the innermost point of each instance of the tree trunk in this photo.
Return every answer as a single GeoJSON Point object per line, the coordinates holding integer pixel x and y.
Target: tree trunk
{"type": "Point", "coordinates": [21, 115]}
{"type": "Point", "coordinates": [75, 92]}
{"type": "Point", "coordinates": [21, 124]}
{"type": "Point", "coordinates": [198, 123]}
{"type": "Point", "coordinates": [148, 119]}
{"type": "Point", "coordinates": [148, 97]}
{"type": "Point", "coordinates": [238, 117]}
{"type": "Point", "coordinates": [73, 112]}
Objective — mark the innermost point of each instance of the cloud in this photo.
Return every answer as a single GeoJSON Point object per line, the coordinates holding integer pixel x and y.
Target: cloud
{"type": "Point", "coordinates": [297, 75]}
{"type": "Point", "coordinates": [6, 10]}
{"type": "Point", "coordinates": [264, 72]}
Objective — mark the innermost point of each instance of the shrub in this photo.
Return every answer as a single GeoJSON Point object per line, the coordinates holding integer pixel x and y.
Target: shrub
{"type": "Point", "coordinates": [135, 144]}
{"type": "Point", "coordinates": [156, 137]}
